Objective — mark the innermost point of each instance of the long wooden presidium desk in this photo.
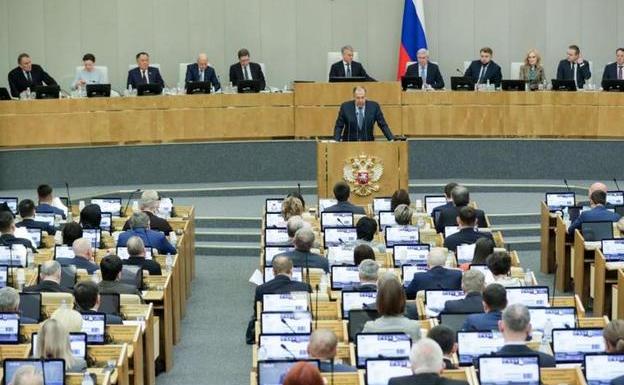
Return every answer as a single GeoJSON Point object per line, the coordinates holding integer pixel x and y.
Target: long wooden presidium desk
{"type": "Point", "coordinates": [308, 112]}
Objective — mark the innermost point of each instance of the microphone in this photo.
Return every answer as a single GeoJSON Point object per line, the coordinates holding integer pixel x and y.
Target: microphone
{"type": "Point", "coordinates": [69, 209]}
{"type": "Point", "coordinates": [316, 308]}
{"type": "Point", "coordinates": [287, 325]}
{"type": "Point", "coordinates": [129, 199]}
{"type": "Point", "coordinates": [340, 221]}
{"type": "Point", "coordinates": [299, 188]}
{"type": "Point", "coordinates": [555, 285]}
{"type": "Point", "coordinates": [616, 184]}
{"type": "Point", "coordinates": [459, 71]}
{"type": "Point", "coordinates": [565, 181]}
{"type": "Point", "coordinates": [288, 351]}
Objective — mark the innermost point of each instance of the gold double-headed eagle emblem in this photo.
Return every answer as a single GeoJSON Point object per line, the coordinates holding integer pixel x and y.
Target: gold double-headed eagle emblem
{"type": "Point", "coordinates": [362, 173]}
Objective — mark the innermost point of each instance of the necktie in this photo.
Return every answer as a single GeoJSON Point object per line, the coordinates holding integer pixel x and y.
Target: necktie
{"type": "Point", "coordinates": [360, 117]}
{"type": "Point", "coordinates": [201, 75]}
{"type": "Point", "coordinates": [348, 70]}
{"type": "Point", "coordinates": [28, 77]}
{"type": "Point", "coordinates": [620, 73]}
{"type": "Point", "coordinates": [422, 74]}
{"type": "Point", "coordinates": [574, 68]}
{"type": "Point", "coordinates": [481, 73]}
{"type": "Point", "coordinates": [246, 72]}
{"type": "Point", "coordinates": [143, 76]}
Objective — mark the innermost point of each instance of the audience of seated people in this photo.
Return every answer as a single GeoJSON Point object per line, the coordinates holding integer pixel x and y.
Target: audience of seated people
{"type": "Point", "coordinates": [448, 216]}
{"type": "Point", "coordinates": [597, 213]}
{"type": "Point", "coordinates": [322, 347]}
{"type": "Point", "coordinates": [494, 302]}
{"type": "Point", "coordinates": [110, 268]}
{"type": "Point", "coordinates": [390, 304]}
{"type": "Point", "coordinates": [301, 256]}
{"type": "Point", "coordinates": [49, 279]}
{"type": "Point", "coordinates": [9, 303]}
{"type": "Point", "coordinates": [87, 301]}
{"type": "Point", "coordinates": [445, 337]}
{"type": "Point", "coordinates": [366, 229]}
{"type": "Point", "coordinates": [448, 189]}
{"type": "Point", "coordinates": [84, 256]}
{"type": "Point", "coordinates": [48, 203]}
{"type": "Point", "coordinates": [53, 342]}
{"type": "Point", "coordinates": [140, 227]}
{"type": "Point", "coordinates": [467, 234]}
{"type": "Point", "coordinates": [342, 191]}
{"type": "Point", "coordinates": [499, 268]}
{"type": "Point", "coordinates": [473, 283]}
{"type": "Point", "coordinates": [136, 252]}
{"type": "Point", "coordinates": [368, 272]}
{"type": "Point", "coordinates": [437, 277]}
{"type": "Point", "coordinates": [149, 204]}
{"type": "Point", "coordinates": [7, 231]}
{"type": "Point", "coordinates": [400, 197]}
{"type": "Point", "coordinates": [26, 210]}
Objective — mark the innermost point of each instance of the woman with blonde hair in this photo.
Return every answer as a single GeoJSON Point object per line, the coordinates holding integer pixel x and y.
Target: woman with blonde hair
{"type": "Point", "coordinates": [532, 70]}
{"type": "Point", "coordinates": [613, 335]}
{"type": "Point", "coordinates": [53, 342]}
{"type": "Point", "coordinates": [291, 207]}
{"type": "Point", "coordinates": [69, 318]}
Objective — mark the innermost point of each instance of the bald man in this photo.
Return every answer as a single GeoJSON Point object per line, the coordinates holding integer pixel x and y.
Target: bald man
{"type": "Point", "coordinates": [596, 186]}
{"type": "Point", "coordinates": [322, 346]}
{"type": "Point", "coordinates": [201, 71]}
{"type": "Point", "coordinates": [84, 256]}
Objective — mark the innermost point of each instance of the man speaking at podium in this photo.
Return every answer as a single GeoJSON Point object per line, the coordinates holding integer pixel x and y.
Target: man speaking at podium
{"type": "Point", "coordinates": [356, 119]}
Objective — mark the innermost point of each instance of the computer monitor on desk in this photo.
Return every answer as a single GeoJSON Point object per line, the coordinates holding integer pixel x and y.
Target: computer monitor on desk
{"type": "Point", "coordinates": [513, 85]}
{"type": "Point", "coordinates": [411, 83]}
{"type": "Point", "coordinates": [98, 90]}
{"type": "Point", "coordinates": [462, 83]}
{"type": "Point", "coordinates": [344, 79]}
{"type": "Point", "coordinates": [613, 85]}
{"type": "Point", "coordinates": [248, 86]}
{"type": "Point", "coordinates": [197, 88]}
{"type": "Point", "coordinates": [47, 92]}
{"type": "Point", "coordinates": [149, 89]}
{"type": "Point", "coordinates": [563, 85]}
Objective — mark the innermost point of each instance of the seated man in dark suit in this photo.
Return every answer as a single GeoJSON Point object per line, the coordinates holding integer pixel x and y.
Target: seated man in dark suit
{"type": "Point", "coordinates": [473, 283]}
{"type": "Point", "coordinates": [593, 187]}
{"type": "Point", "coordinates": [347, 67]}
{"type": "Point", "coordinates": [245, 69]}
{"type": "Point", "coordinates": [322, 347]}
{"type": "Point", "coordinates": [49, 279]}
{"type": "Point", "coordinates": [301, 255]}
{"type": "Point", "coordinates": [437, 277]}
{"type": "Point", "coordinates": [485, 69]}
{"type": "Point", "coordinates": [136, 250]}
{"type": "Point", "coordinates": [342, 191]}
{"type": "Point", "coordinates": [428, 365]}
{"type": "Point", "coordinates": [516, 328]}
{"type": "Point", "coordinates": [87, 298]}
{"type": "Point", "coordinates": [202, 72]}
{"type": "Point", "coordinates": [144, 73]}
{"type": "Point", "coordinates": [9, 303]}
{"type": "Point", "coordinates": [26, 209]}
{"type": "Point", "coordinates": [494, 302]}
{"type": "Point", "coordinates": [448, 216]}
{"type": "Point", "coordinates": [110, 267]}
{"type": "Point", "coordinates": [356, 119]}
{"type": "Point", "coordinates": [140, 227]}
{"type": "Point", "coordinates": [84, 256]}
{"type": "Point", "coordinates": [48, 203]}
{"type": "Point", "coordinates": [574, 67]}
{"type": "Point", "coordinates": [149, 204]}
{"type": "Point", "coordinates": [27, 75]}
{"type": "Point", "coordinates": [445, 337]}
{"type": "Point", "coordinates": [615, 70]}
{"type": "Point", "coordinates": [426, 70]}
{"type": "Point", "coordinates": [598, 212]}
{"type": "Point", "coordinates": [448, 189]}
{"type": "Point", "coordinates": [368, 272]}
{"type": "Point", "coordinates": [467, 235]}
{"type": "Point", "coordinates": [7, 229]}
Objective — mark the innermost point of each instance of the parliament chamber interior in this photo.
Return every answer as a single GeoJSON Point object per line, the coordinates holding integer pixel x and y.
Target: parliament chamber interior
{"type": "Point", "coordinates": [339, 192]}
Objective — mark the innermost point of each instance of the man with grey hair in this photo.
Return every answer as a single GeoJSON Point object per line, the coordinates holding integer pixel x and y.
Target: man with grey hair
{"type": "Point", "coordinates": [26, 375]}
{"type": "Point", "coordinates": [49, 279]}
{"type": "Point", "coordinates": [516, 328]}
{"type": "Point", "coordinates": [322, 346]}
{"type": "Point", "coordinates": [140, 227]}
{"type": "Point", "coordinates": [301, 255]}
{"type": "Point", "coordinates": [473, 283]}
{"type": "Point", "coordinates": [201, 71]}
{"type": "Point", "coordinates": [347, 67]}
{"type": "Point", "coordinates": [295, 223]}
{"type": "Point", "coordinates": [368, 272]}
{"type": "Point", "coordinates": [429, 72]}
{"type": "Point", "coordinates": [437, 277]}
{"type": "Point", "coordinates": [449, 215]}
{"type": "Point", "coordinates": [136, 252]}
{"type": "Point", "coordinates": [9, 303]}
{"type": "Point", "coordinates": [149, 204]}
{"type": "Point", "coordinates": [427, 362]}
{"type": "Point", "coordinates": [356, 119]}
{"type": "Point", "coordinates": [83, 256]}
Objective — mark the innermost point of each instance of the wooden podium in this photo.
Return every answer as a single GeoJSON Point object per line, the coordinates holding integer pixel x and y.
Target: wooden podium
{"type": "Point", "coordinates": [372, 169]}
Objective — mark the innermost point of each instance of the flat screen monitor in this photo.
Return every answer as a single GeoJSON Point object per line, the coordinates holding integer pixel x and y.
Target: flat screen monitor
{"type": "Point", "coordinates": [197, 88]}
{"type": "Point", "coordinates": [401, 235]}
{"type": "Point", "coordinates": [123, 254]}
{"type": "Point", "coordinates": [336, 219]}
{"type": "Point", "coordinates": [93, 235]}
{"type": "Point", "coordinates": [436, 299]}
{"type": "Point", "coordinates": [339, 236]}
{"type": "Point", "coordinates": [249, 86]}
{"type": "Point", "coordinates": [94, 325]}
{"type": "Point", "coordinates": [570, 345]}
{"type": "Point", "coordinates": [615, 198]}
{"type": "Point", "coordinates": [563, 85]}
{"type": "Point", "coordinates": [109, 205]}
{"type": "Point", "coordinates": [273, 205]}
{"type": "Point", "coordinates": [602, 368]}
{"type": "Point", "coordinates": [559, 200]}
{"type": "Point", "coordinates": [297, 274]}
{"type": "Point", "coordinates": [357, 300]}
{"type": "Point", "coordinates": [283, 346]}
{"type": "Point", "coordinates": [379, 371]}
{"type": "Point", "coordinates": [324, 203]}
{"type": "Point", "coordinates": [472, 344]}
{"type": "Point", "coordinates": [9, 328]}
{"type": "Point", "coordinates": [465, 253]}
{"type": "Point", "coordinates": [560, 317]}
{"type": "Point", "coordinates": [271, 251]}
{"type": "Point", "coordinates": [382, 204]}
{"type": "Point", "coordinates": [509, 370]}
{"type": "Point", "coordinates": [63, 251]}
{"type": "Point", "coordinates": [30, 305]}
{"type": "Point", "coordinates": [276, 237]}
{"type": "Point", "coordinates": [149, 89]}
{"type": "Point", "coordinates": [386, 219]}
{"type": "Point", "coordinates": [613, 249]}
{"type": "Point", "coordinates": [98, 90]}
{"type": "Point", "coordinates": [408, 272]}
{"type": "Point", "coordinates": [35, 236]}
{"type": "Point", "coordinates": [410, 254]}
{"type": "Point", "coordinates": [273, 372]}
{"type": "Point", "coordinates": [11, 202]}
{"type": "Point", "coordinates": [275, 220]}
{"type": "Point", "coordinates": [528, 295]}
{"type": "Point", "coordinates": [53, 370]}
{"type": "Point", "coordinates": [106, 224]}
{"type": "Point", "coordinates": [433, 201]}
{"type": "Point", "coordinates": [47, 92]}
{"type": "Point", "coordinates": [381, 345]}
{"type": "Point", "coordinates": [296, 301]}
{"type": "Point", "coordinates": [597, 231]}
{"type": "Point", "coordinates": [286, 322]}
{"type": "Point", "coordinates": [344, 277]}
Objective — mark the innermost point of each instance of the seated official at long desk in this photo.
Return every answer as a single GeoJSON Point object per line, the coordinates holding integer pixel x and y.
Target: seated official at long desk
{"type": "Point", "coordinates": [485, 69]}
{"type": "Point", "coordinates": [27, 75]}
{"type": "Point", "coordinates": [356, 119]}
{"type": "Point", "coordinates": [202, 72]}
{"type": "Point", "coordinates": [429, 72]}
{"type": "Point", "coordinates": [144, 73]}
{"type": "Point", "coordinates": [89, 74]}
{"type": "Point", "coordinates": [347, 67]}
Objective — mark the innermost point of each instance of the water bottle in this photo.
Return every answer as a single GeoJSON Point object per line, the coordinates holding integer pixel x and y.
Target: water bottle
{"type": "Point", "coordinates": [169, 262]}
{"type": "Point", "coordinates": [173, 238]}
{"type": "Point", "coordinates": [548, 328]}
{"type": "Point", "coordinates": [450, 259]}
{"type": "Point", "coordinates": [87, 380]}
{"type": "Point", "coordinates": [135, 206]}
{"type": "Point", "coordinates": [528, 277]}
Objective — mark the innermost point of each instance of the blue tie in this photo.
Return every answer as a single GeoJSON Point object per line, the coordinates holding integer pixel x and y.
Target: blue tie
{"type": "Point", "coordinates": [360, 117]}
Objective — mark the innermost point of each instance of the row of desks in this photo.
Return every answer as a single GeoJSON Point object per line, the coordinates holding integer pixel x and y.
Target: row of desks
{"type": "Point", "coordinates": [308, 112]}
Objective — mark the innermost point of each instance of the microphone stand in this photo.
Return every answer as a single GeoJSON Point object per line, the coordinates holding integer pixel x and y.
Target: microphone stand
{"type": "Point", "coordinates": [128, 203]}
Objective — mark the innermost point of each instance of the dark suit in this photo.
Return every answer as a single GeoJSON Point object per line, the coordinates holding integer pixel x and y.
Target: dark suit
{"type": "Point", "coordinates": [314, 261]}
{"type": "Point", "coordinates": [236, 74]}
{"type": "Point", "coordinates": [45, 208]}
{"type": "Point", "coordinates": [565, 72]}
{"type": "Point", "coordinates": [465, 236]}
{"type": "Point", "coordinates": [10, 239]}
{"type": "Point", "coordinates": [27, 321]}
{"type": "Point", "coordinates": [111, 319]}
{"type": "Point", "coordinates": [281, 284]}
{"type": "Point", "coordinates": [482, 321]}
{"type": "Point", "coordinates": [33, 224]}
{"type": "Point", "coordinates": [326, 367]}
{"type": "Point", "coordinates": [347, 129]}
{"type": "Point", "coordinates": [80, 263]}
{"type": "Point", "coordinates": [116, 287]}
{"type": "Point", "coordinates": [448, 217]}
{"type": "Point", "coordinates": [437, 277]}
{"type": "Point", "coordinates": [618, 381]}
{"type": "Point", "coordinates": [46, 286]}
{"type": "Point", "coordinates": [434, 76]}
{"type": "Point", "coordinates": [135, 78]}
{"type": "Point", "coordinates": [364, 287]}
{"type": "Point", "coordinates": [425, 379]}
{"type": "Point", "coordinates": [435, 213]}
{"type": "Point", "coordinates": [146, 264]}
{"type": "Point", "coordinates": [448, 364]}
{"type": "Point", "coordinates": [492, 73]}
{"type": "Point", "coordinates": [473, 303]}
{"type": "Point", "coordinates": [611, 72]}
{"type": "Point", "coordinates": [598, 214]}
{"type": "Point", "coordinates": [545, 360]}
{"type": "Point", "coordinates": [337, 70]}
{"type": "Point", "coordinates": [156, 223]}
{"type": "Point", "coordinates": [19, 83]}
{"type": "Point", "coordinates": [151, 238]}
{"type": "Point", "coordinates": [345, 207]}
{"type": "Point", "coordinates": [193, 75]}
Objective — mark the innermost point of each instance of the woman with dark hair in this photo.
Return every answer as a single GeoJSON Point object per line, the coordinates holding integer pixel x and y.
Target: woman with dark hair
{"type": "Point", "coordinates": [88, 74]}
{"type": "Point", "coordinates": [90, 217]}
{"type": "Point", "coordinates": [399, 197]}
{"type": "Point", "coordinates": [499, 264]}
{"type": "Point", "coordinates": [484, 247]}
{"type": "Point", "coordinates": [71, 231]}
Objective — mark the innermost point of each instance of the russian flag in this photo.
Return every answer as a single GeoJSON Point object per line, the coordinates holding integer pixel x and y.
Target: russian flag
{"type": "Point", "coordinates": [412, 35]}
